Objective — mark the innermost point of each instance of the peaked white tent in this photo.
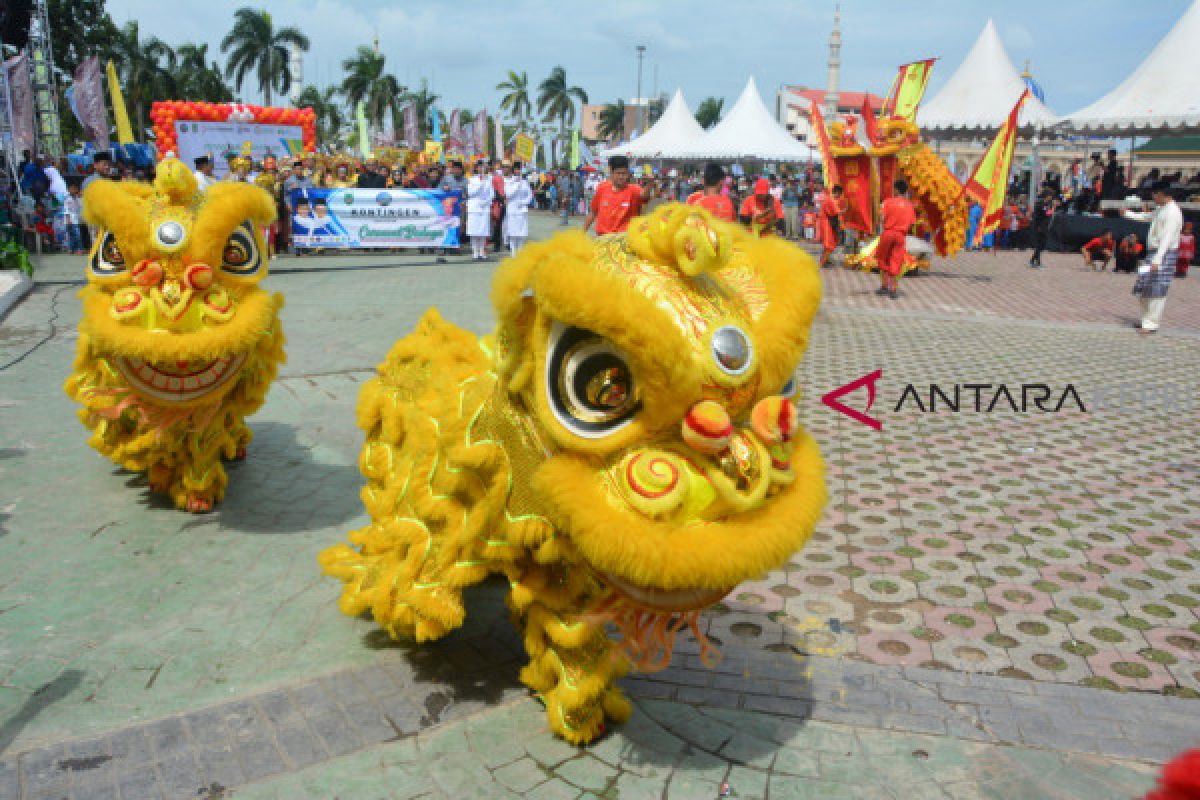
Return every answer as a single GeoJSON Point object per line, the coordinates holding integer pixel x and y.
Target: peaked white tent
{"type": "Point", "coordinates": [981, 93]}
{"type": "Point", "coordinates": [675, 131]}
{"type": "Point", "coordinates": [1161, 94]}
{"type": "Point", "coordinates": [750, 131]}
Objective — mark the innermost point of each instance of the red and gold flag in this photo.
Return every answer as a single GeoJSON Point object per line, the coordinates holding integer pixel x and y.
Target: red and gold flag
{"type": "Point", "coordinates": [988, 184]}
{"type": "Point", "coordinates": [908, 90]}
{"type": "Point", "coordinates": [824, 144]}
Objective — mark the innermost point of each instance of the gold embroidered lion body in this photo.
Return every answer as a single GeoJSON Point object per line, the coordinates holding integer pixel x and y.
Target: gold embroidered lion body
{"type": "Point", "coordinates": [623, 451]}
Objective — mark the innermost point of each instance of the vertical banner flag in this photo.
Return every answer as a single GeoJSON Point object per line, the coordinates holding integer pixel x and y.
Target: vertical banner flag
{"type": "Point", "coordinates": [523, 148]}
{"type": "Point", "coordinates": [454, 136]}
{"type": "Point", "coordinates": [817, 120]}
{"type": "Point", "coordinates": [479, 133]}
{"type": "Point", "coordinates": [498, 141]}
{"type": "Point", "coordinates": [908, 89]}
{"type": "Point", "coordinates": [89, 102]}
{"type": "Point", "coordinates": [989, 182]}
{"type": "Point", "coordinates": [435, 127]}
{"type": "Point", "coordinates": [412, 134]}
{"type": "Point", "coordinates": [21, 93]}
{"type": "Point", "coordinates": [870, 122]}
{"type": "Point", "coordinates": [364, 140]}
{"type": "Point", "coordinates": [120, 115]}
{"type": "Point", "coordinates": [575, 149]}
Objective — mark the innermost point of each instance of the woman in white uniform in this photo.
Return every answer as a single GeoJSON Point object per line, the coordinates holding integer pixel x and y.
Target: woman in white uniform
{"type": "Point", "coordinates": [479, 209]}
{"type": "Point", "coordinates": [516, 217]}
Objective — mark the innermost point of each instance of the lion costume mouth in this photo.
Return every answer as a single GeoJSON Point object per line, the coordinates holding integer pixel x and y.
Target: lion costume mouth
{"type": "Point", "coordinates": [184, 382]}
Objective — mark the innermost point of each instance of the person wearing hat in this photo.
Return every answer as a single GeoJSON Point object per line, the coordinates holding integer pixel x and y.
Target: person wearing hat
{"type": "Point", "coordinates": [711, 197]}
{"type": "Point", "coordinates": [762, 211]}
{"type": "Point", "coordinates": [1162, 243]}
{"type": "Point", "coordinates": [518, 198]}
{"type": "Point", "coordinates": [616, 202]}
{"type": "Point", "coordinates": [204, 173]}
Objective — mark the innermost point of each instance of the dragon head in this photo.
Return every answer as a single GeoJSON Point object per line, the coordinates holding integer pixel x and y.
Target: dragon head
{"type": "Point", "coordinates": [657, 372]}
{"type": "Point", "coordinates": [172, 293]}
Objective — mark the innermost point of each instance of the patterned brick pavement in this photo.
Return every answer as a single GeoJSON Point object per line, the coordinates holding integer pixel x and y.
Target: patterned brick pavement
{"type": "Point", "coordinates": [973, 569]}
{"type": "Point", "coordinates": [1003, 285]}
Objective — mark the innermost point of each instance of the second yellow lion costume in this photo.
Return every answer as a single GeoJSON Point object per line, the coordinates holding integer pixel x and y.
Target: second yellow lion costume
{"type": "Point", "coordinates": [624, 451]}
{"type": "Point", "coordinates": [177, 344]}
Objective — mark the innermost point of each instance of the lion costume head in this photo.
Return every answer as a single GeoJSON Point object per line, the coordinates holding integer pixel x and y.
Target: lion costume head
{"type": "Point", "coordinates": [625, 451]}
{"type": "Point", "coordinates": [177, 343]}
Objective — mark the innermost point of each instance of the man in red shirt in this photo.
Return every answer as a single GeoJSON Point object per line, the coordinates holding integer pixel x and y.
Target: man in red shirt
{"type": "Point", "coordinates": [616, 202]}
{"type": "Point", "coordinates": [1098, 251]}
{"type": "Point", "coordinates": [898, 216]}
{"type": "Point", "coordinates": [710, 196]}
{"type": "Point", "coordinates": [761, 211]}
{"type": "Point", "coordinates": [829, 222]}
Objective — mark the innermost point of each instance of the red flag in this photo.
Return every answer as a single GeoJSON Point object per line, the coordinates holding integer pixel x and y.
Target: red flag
{"type": "Point", "coordinates": [870, 121]}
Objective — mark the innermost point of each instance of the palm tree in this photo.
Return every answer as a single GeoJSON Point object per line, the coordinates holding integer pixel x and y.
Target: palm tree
{"type": "Point", "coordinates": [196, 78]}
{"type": "Point", "coordinates": [368, 82]}
{"type": "Point", "coordinates": [143, 72]}
{"type": "Point", "coordinates": [424, 101]}
{"type": "Point", "coordinates": [708, 113]}
{"type": "Point", "coordinates": [330, 117]}
{"type": "Point", "coordinates": [256, 46]}
{"type": "Point", "coordinates": [557, 100]}
{"type": "Point", "coordinates": [612, 121]}
{"type": "Point", "coordinates": [516, 96]}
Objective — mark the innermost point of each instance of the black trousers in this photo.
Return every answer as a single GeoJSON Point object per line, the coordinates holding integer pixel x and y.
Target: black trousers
{"type": "Point", "coordinates": [1039, 244]}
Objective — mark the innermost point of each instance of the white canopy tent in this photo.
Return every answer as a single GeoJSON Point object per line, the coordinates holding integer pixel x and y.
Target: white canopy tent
{"type": "Point", "coordinates": [981, 92]}
{"type": "Point", "coordinates": [1162, 94]}
{"type": "Point", "coordinates": [750, 131]}
{"type": "Point", "coordinates": [674, 132]}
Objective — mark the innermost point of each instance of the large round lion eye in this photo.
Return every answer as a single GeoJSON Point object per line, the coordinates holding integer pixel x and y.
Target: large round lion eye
{"type": "Point", "coordinates": [589, 382]}
{"type": "Point", "coordinates": [241, 255]}
{"type": "Point", "coordinates": [107, 259]}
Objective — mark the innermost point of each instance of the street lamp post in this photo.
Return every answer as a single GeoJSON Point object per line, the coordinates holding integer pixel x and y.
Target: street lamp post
{"type": "Point", "coordinates": [641, 52]}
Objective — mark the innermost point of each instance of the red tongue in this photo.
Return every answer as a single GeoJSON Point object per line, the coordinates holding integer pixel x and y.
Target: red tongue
{"type": "Point", "coordinates": [181, 364]}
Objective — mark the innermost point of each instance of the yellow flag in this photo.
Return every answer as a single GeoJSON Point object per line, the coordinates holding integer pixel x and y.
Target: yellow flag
{"type": "Point", "coordinates": [908, 90]}
{"type": "Point", "coordinates": [988, 184]}
{"type": "Point", "coordinates": [124, 130]}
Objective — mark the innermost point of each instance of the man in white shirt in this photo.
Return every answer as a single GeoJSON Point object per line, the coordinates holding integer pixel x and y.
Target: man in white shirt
{"type": "Point", "coordinates": [518, 196]}
{"type": "Point", "coordinates": [204, 173]}
{"type": "Point", "coordinates": [1162, 245]}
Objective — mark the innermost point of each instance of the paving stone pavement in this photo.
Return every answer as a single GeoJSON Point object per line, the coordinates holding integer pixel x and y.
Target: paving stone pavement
{"type": "Point", "coordinates": [975, 576]}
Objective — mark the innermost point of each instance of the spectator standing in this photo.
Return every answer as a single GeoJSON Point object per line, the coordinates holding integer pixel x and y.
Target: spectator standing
{"type": "Point", "coordinates": [1163, 242]}
{"type": "Point", "coordinates": [73, 216]}
{"type": "Point", "coordinates": [791, 209]}
{"type": "Point", "coordinates": [204, 173]}
{"type": "Point", "coordinates": [1043, 213]}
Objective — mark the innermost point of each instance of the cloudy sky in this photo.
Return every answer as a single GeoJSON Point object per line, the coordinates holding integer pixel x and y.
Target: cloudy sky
{"type": "Point", "coordinates": [1079, 49]}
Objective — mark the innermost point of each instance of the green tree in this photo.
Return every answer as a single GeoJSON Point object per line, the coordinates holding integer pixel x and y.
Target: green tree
{"type": "Point", "coordinates": [254, 45]}
{"type": "Point", "coordinates": [516, 96]}
{"type": "Point", "coordinates": [142, 69]}
{"type": "Point", "coordinates": [367, 81]}
{"type": "Point", "coordinates": [79, 28]}
{"type": "Point", "coordinates": [556, 100]}
{"type": "Point", "coordinates": [708, 113]}
{"type": "Point", "coordinates": [330, 117]}
{"type": "Point", "coordinates": [197, 78]}
{"type": "Point", "coordinates": [612, 121]}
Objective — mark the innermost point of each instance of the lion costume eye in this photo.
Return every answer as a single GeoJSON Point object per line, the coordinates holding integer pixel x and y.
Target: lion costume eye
{"type": "Point", "coordinates": [589, 382]}
{"type": "Point", "coordinates": [107, 259]}
{"type": "Point", "coordinates": [241, 255]}
{"type": "Point", "coordinates": [789, 388]}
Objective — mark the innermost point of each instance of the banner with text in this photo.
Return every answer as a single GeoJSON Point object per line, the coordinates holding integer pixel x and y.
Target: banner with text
{"type": "Point", "coordinates": [366, 218]}
{"type": "Point", "coordinates": [217, 140]}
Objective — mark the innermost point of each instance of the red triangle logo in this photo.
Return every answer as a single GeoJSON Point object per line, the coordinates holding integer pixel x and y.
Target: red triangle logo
{"type": "Point", "coordinates": [832, 401]}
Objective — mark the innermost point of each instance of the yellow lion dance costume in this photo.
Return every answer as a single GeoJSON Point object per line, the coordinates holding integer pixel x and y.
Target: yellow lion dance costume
{"type": "Point", "coordinates": [624, 450]}
{"type": "Point", "coordinates": [177, 343]}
